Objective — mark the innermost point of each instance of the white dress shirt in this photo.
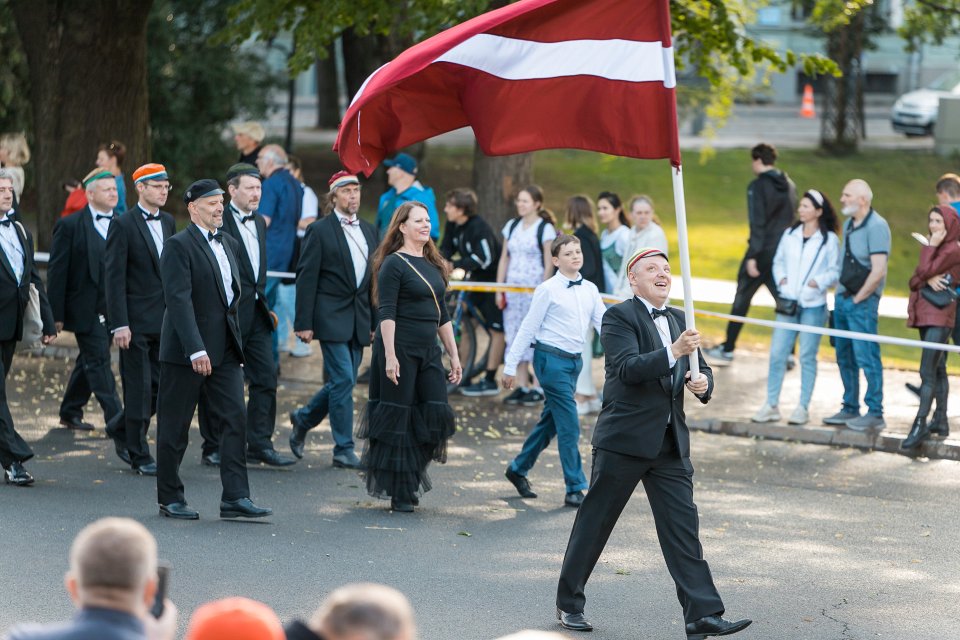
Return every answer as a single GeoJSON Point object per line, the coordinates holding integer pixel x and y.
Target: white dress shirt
{"type": "Point", "coordinates": [357, 243]}
{"type": "Point", "coordinates": [102, 225]}
{"type": "Point", "coordinates": [559, 316]}
{"type": "Point", "coordinates": [225, 274]}
{"type": "Point", "coordinates": [663, 329]}
{"type": "Point", "coordinates": [12, 249]}
{"type": "Point", "coordinates": [156, 229]}
{"type": "Point", "coordinates": [250, 237]}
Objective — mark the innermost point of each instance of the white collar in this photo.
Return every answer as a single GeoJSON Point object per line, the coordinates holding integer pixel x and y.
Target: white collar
{"type": "Point", "coordinates": [344, 216]}
{"type": "Point", "coordinates": [648, 305]}
{"type": "Point", "coordinates": [96, 213]}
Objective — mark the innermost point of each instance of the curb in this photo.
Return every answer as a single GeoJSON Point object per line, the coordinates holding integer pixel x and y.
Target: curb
{"type": "Point", "coordinates": [948, 449]}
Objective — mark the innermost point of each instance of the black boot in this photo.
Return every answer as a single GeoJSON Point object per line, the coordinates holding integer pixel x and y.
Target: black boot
{"type": "Point", "coordinates": [918, 433]}
{"type": "Point", "coordinates": [939, 426]}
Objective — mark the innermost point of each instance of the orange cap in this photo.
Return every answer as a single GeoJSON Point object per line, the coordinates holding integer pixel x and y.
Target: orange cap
{"type": "Point", "coordinates": [234, 619]}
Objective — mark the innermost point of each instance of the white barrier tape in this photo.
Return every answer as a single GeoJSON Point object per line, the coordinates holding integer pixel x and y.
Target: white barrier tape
{"type": "Point", "coordinates": [836, 333]}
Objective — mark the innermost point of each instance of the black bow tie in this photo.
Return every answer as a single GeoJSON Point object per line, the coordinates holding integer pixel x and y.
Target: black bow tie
{"type": "Point", "coordinates": [656, 313]}
{"type": "Point", "coordinates": [246, 219]}
{"type": "Point", "coordinates": [575, 283]}
{"type": "Point", "coordinates": [214, 236]}
{"type": "Point", "coordinates": [346, 222]}
{"type": "Point", "coordinates": [6, 222]}
{"type": "Point", "coordinates": [100, 217]}
{"type": "Point", "coordinates": [151, 217]}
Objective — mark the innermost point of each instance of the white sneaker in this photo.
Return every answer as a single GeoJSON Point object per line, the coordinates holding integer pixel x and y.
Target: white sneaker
{"type": "Point", "coordinates": [800, 415]}
{"type": "Point", "coordinates": [766, 414]}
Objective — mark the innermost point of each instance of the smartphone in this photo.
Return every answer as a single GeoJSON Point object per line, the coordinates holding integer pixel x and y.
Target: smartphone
{"type": "Point", "coordinates": [163, 579]}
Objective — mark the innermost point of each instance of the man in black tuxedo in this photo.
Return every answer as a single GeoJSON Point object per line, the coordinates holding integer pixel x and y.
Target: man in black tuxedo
{"type": "Point", "coordinates": [256, 325]}
{"type": "Point", "coordinates": [135, 304]}
{"type": "Point", "coordinates": [201, 354]}
{"type": "Point", "coordinates": [642, 436]}
{"type": "Point", "coordinates": [333, 306]}
{"type": "Point", "coordinates": [17, 272]}
{"type": "Point", "coordinates": [76, 284]}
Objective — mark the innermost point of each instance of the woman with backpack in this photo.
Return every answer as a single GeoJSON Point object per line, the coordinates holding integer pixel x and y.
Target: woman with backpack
{"type": "Point", "coordinates": [524, 260]}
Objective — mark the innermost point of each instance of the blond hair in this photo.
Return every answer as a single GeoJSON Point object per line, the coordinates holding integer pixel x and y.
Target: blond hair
{"type": "Point", "coordinates": [18, 151]}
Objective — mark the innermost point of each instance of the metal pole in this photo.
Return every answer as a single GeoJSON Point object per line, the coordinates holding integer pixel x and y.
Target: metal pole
{"type": "Point", "coordinates": [683, 241]}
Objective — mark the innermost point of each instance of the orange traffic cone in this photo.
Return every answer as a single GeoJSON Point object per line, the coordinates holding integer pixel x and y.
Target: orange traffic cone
{"type": "Point", "coordinates": [806, 107]}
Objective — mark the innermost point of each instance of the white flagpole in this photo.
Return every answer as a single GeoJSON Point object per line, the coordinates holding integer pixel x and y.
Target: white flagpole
{"type": "Point", "coordinates": [682, 240]}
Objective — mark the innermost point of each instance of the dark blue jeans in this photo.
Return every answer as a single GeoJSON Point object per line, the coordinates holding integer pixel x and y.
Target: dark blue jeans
{"type": "Point", "coordinates": [558, 377]}
{"type": "Point", "coordinates": [854, 355]}
{"type": "Point", "coordinates": [340, 363]}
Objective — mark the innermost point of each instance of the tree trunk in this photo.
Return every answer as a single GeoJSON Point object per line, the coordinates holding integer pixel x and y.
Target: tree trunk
{"type": "Point", "coordinates": [842, 126]}
{"type": "Point", "coordinates": [328, 112]}
{"type": "Point", "coordinates": [88, 85]}
{"type": "Point", "coordinates": [497, 180]}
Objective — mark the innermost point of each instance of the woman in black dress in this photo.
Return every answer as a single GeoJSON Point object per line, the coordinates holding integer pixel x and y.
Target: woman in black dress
{"type": "Point", "coordinates": [407, 420]}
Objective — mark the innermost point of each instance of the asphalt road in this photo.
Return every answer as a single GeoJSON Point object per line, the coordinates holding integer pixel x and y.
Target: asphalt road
{"type": "Point", "coordinates": [810, 542]}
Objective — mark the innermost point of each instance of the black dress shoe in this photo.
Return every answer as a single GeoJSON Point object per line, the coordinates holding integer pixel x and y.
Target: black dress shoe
{"type": "Point", "coordinates": [401, 505]}
{"type": "Point", "coordinates": [913, 388]}
{"type": "Point", "coordinates": [573, 621]}
{"type": "Point", "coordinates": [121, 448]}
{"type": "Point", "coordinates": [298, 436]}
{"type": "Point", "coordinates": [148, 469]}
{"type": "Point", "coordinates": [178, 511]}
{"type": "Point", "coordinates": [714, 626]}
{"type": "Point", "coordinates": [76, 424]}
{"type": "Point", "coordinates": [211, 459]}
{"type": "Point", "coordinates": [573, 499]}
{"type": "Point", "coordinates": [15, 474]}
{"type": "Point", "coordinates": [242, 508]}
{"type": "Point", "coordinates": [520, 483]}
{"type": "Point", "coordinates": [270, 457]}
{"type": "Point", "coordinates": [347, 460]}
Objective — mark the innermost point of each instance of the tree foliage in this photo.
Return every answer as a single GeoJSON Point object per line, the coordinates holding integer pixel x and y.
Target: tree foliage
{"type": "Point", "coordinates": [197, 87]}
{"type": "Point", "coordinates": [930, 21]}
{"type": "Point", "coordinates": [14, 103]}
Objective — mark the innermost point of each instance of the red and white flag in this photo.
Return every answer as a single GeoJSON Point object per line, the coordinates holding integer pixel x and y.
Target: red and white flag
{"type": "Point", "coordinates": [537, 74]}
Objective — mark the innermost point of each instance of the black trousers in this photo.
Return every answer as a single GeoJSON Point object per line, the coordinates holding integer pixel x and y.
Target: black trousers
{"type": "Point", "coordinates": [747, 287]}
{"type": "Point", "coordinates": [180, 392]}
{"type": "Point", "coordinates": [140, 376]}
{"type": "Point", "coordinates": [934, 384]}
{"type": "Point", "coordinates": [92, 374]}
{"type": "Point", "coordinates": [261, 375]}
{"type": "Point", "coordinates": [13, 448]}
{"type": "Point", "coordinates": [668, 483]}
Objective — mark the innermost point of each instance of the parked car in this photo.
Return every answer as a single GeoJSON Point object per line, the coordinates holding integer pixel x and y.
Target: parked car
{"type": "Point", "coordinates": [915, 113]}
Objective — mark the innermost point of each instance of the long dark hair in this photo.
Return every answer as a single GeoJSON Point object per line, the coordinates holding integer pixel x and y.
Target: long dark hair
{"type": "Point", "coordinates": [616, 203]}
{"type": "Point", "coordinates": [393, 240]}
{"type": "Point", "coordinates": [536, 193]}
{"type": "Point", "coordinates": [828, 218]}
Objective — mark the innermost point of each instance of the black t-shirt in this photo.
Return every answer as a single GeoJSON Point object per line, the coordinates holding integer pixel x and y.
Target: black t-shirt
{"type": "Point", "coordinates": [405, 298]}
{"type": "Point", "coordinates": [473, 247]}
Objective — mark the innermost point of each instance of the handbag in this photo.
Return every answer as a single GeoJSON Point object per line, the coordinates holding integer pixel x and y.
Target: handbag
{"type": "Point", "coordinates": [852, 274]}
{"type": "Point", "coordinates": [32, 322]}
{"type": "Point", "coordinates": [939, 299]}
{"type": "Point", "coordinates": [789, 306]}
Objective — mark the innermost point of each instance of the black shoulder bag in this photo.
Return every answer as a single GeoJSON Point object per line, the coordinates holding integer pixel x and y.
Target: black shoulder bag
{"type": "Point", "coordinates": [853, 274]}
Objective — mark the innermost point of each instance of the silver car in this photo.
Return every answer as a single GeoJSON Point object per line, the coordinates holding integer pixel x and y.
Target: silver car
{"type": "Point", "coordinates": [915, 113]}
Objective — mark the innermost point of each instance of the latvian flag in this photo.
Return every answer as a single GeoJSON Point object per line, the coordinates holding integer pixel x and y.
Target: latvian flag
{"type": "Point", "coordinates": [536, 74]}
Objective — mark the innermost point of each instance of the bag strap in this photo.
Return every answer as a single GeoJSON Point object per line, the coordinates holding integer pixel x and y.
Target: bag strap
{"type": "Point", "coordinates": [812, 264]}
{"type": "Point", "coordinates": [429, 286]}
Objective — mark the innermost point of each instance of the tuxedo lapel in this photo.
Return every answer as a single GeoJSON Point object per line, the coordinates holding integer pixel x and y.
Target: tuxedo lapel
{"type": "Point", "coordinates": [345, 254]}
{"type": "Point", "coordinates": [652, 335]}
{"type": "Point", "coordinates": [212, 259]}
{"type": "Point", "coordinates": [144, 229]}
{"type": "Point", "coordinates": [92, 239]}
{"type": "Point", "coordinates": [235, 275]}
{"type": "Point", "coordinates": [369, 233]}
{"type": "Point", "coordinates": [231, 224]}
{"type": "Point", "coordinates": [261, 277]}
{"type": "Point", "coordinates": [6, 263]}
{"type": "Point", "coordinates": [683, 364]}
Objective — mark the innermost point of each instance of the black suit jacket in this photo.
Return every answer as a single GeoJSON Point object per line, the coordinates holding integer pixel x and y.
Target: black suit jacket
{"type": "Point", "coordinates": [253, 286]}
{"type": "Point", "coordinates": [134, 290]}
{"type": "Point", "coordinates": [641, 394]}
{"type": "Point", "coordinates": [198, 317]}
{"type": "Point", "coordinates": [329, 302]}
{"type": "Point", "coordinates": [75, 280]}
{"type": "Point", "coordinates": [15, 295]}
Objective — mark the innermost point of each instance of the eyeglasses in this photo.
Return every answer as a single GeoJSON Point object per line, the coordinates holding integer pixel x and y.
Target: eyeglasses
{"type": "Point", "coordinates": [158, 187]}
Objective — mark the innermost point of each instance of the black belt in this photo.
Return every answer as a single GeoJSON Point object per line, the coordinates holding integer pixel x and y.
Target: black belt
{"type": "Point", "coordinates": [539, 346]}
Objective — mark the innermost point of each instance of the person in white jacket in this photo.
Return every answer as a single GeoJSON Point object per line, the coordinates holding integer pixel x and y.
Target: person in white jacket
{"type": "Point", "coordinates": [805, 266]}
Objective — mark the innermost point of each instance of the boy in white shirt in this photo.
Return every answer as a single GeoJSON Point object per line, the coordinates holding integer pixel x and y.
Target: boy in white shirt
{"type": "Point", "coordinates": [562, 308]}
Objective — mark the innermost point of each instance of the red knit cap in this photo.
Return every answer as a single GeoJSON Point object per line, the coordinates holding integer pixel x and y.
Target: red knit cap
{"type": "Point", "coordinates": [234, 619]}
{"type": "Point", "coordinates": [341, 178]}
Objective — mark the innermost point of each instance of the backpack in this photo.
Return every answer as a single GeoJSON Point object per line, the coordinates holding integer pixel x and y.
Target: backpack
{"type": "Point", "coordinates": [541, 227]}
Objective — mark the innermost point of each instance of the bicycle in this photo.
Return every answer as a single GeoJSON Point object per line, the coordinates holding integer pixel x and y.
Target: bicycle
{"type": "Point", "coordinates": [470, 333]}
